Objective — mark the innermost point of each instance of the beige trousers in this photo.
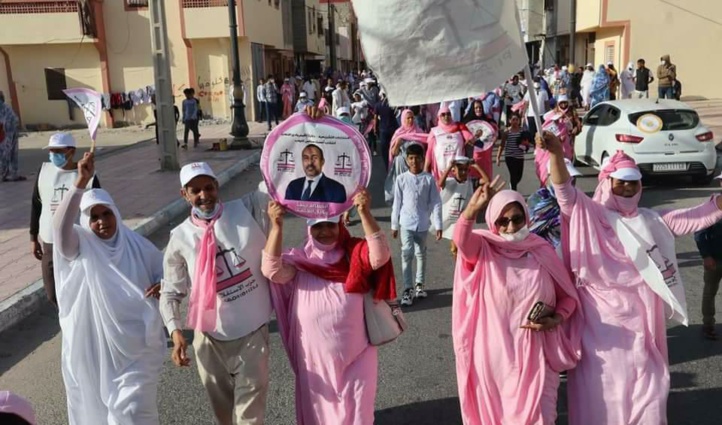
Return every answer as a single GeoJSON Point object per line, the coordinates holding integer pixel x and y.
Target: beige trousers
{"type": "Point", "coordinates": [235, 376]}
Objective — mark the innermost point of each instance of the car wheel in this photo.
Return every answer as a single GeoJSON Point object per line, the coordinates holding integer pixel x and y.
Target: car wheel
{"type": "Point", "coordinates": [604, 158]}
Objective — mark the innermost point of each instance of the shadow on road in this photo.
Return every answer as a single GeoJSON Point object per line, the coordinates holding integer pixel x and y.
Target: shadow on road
{"type": "Point", "coordinates": [437, 298]}
{"type": "Point", "coordinates": [687, 345]}
{"type": "Point", "coordinates": [24, 338]}
{"type": "Point", "coordinates": [432, 412]}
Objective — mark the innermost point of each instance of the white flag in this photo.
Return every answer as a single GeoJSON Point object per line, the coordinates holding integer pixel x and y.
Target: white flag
{"type": "Point", "coordinates": [90, 102]}
{"type": "Point", "coordinates": [428, 51]}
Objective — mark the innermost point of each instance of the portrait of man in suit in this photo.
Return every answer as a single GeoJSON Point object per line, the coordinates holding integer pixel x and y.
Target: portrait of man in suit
{"type": "Point", "coordinates": [315, 186]}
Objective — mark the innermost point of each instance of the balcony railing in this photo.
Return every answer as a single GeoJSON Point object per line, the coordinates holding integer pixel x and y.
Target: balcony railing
{"type": "Point", "coordinates": [38, 7]}
{"type": "Point", "coordinates": [197, 4]}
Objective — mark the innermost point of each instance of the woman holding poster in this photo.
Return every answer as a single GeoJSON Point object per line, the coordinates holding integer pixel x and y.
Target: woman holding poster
{"type": "Point", "coordinates": [314, 167]}
{"type": "Point", "coordinates": [475, 120]}
{"type": "Point", "coordinates": [318, 293]}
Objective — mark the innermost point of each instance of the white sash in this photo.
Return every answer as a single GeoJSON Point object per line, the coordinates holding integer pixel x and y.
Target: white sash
{"type": "Point", "coordinates": [448, 147]}
{"type": "Point", "coordinates": [674, 295]}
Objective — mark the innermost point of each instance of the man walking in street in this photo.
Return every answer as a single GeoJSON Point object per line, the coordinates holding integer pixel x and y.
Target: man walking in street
{"type": "Point", "coordinates": [709, 244]}
{"type": "Point", "coordinates": [215, 257]}
{"type": "Point", "coordinates": [261, 98]}
{"type": "Point", "coordinates": [55, 179]}
{"type": "Point", "coordinates": [271, 92]}
{"type": "Point", "coordinates": [191, 117]}
{"type": "Point", "coordinates": [666, 76]}
{"type": "Point", "coordinates": [642, 79]}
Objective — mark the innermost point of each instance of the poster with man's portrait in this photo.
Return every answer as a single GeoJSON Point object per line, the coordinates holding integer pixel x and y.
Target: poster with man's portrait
{"type": "Point", "coordinates": [315, 167]}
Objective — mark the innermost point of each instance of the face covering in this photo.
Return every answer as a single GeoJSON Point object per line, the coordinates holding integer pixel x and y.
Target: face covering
{"type": "Point", "coordinates": [537, 86]}
{"type": "Point", "coordinates": [206, 215]}
{"type": "Point", "coordinates": [519, 236]}
{"type": "Point", "coordinates": [663, 63]}
{"type": "Point", "coordinates": [346, 119]}
{"type": "Point", "coordinates": [58, 159]}
{"type": "Point", "coordinates": [321, 246]}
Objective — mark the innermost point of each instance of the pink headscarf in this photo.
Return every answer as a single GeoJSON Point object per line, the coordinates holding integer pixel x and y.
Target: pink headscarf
{"type": "Point", "coordinates": [202, 311]}
{"type": "Point", "coordinates": [562, 350]}
{"type": "Point", "coordinates": [626, 207]}
{"type": "Point", "coordinates": [407, 132]}
{"type": "Point", "coordinates": [448, 128]}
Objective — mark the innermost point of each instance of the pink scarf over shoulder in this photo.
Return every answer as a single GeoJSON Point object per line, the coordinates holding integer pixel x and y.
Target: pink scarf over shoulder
{"type": "Point", "coordinates": [202, 312]}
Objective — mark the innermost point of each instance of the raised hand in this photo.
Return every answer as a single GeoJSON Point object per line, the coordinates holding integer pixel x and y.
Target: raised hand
{"type": "Point", "coordinates": [550, 142]}
{"type": "Point", "coordinates": [482, 196]}
{"type": "Point", "coordinates": [276, 211]}
{"type": "Point", "coordinates": [362, 201]}
{"type": "Point", "coordinates": [86, 170]}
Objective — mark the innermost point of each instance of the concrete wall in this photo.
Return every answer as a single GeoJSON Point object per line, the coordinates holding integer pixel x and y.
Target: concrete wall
{"type": "Point", "coordinates": [82, 69]}
{"type": "Point", "coordinates": [263, 22]}
{"type": "Point", "coordinates": [41, 28]}
{"type": "Point", "coordinates": [588, 14]}
{"type": "Point", "coordinates": [690, 33]}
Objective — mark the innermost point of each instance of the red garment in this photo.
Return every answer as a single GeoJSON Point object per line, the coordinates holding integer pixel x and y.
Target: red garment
{"type": "Point", "coordinates": [355, 269]}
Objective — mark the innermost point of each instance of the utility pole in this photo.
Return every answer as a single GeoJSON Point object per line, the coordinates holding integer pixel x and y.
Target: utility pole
{"type": "Point", "coordinates": [331, 35]}
{"type": "Point", "coordinates": [164, 98]}
{"type": "Point", "coordinates": [573, 33]}
{"type": "Point", "coordinates": [239, 127]}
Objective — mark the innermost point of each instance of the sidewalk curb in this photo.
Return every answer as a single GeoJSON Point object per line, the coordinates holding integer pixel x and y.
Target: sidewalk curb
{"type": "Point", "coordinates": [29, 299]}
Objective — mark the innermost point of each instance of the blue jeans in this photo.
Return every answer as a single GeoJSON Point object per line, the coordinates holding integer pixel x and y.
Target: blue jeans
{"type": "Point", "coordinates": [665, 92]}
{"type": "Point", "coordinates": [413, 242]}
{"type": "Point", "coordinates": [271, 113]}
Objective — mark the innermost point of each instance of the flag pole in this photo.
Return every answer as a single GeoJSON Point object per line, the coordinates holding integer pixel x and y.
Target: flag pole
{"type": "Point", "coordinates": [92, 145]}
{"type": "Point", "coordinates": [532, 98]}
{"type": "Point", "coordinates": [527, 75]}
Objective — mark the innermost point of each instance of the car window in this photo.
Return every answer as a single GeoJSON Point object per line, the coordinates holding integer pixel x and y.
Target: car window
{"type": "Point", "coordinates": [672, 119]}
{"type": "Point", "coordinates": [610, 117]}
{"type": "Point", "coordinates": [593, 116]}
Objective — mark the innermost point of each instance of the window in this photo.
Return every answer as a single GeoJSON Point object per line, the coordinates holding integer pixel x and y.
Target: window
{"type": "Point", "coordinates": [548, 4]}
{"type": "Point", "coordinates": [594, 116]}
{"type": "Point", "coordinates": [310, 21]}
{"type": "Point", "coordinates": [609, 53]}
{"type": "Point", "coordinates": [672, 119]}
{"type": "Point", "coordinates": [320, 25]}
{"type": "Point", "coordinates": [610, 117]}
{"type": "Point", "coordinates": [136, 4]}
{"type": "Point", "coordinates": [55, 83]}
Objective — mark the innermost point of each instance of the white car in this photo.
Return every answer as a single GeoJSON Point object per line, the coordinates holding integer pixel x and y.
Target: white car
{"type": "Point", "coordinates": [664, 137]}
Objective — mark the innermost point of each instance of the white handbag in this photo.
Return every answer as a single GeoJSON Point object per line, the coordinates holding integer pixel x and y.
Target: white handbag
{"type": "Point", "coordinates": [384, 320]}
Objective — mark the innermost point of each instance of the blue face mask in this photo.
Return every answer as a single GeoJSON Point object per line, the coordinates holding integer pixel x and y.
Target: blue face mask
{"type": "Point", "coordinates": [202, 214]}
{"type": "Point", "coordinates": [58, 159]}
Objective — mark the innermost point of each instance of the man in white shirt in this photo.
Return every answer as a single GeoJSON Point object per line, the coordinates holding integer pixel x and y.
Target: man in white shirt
{"type": "Point", "coordinates": [55, 179]}
{"type": "Point", "coordinates": [215, 255]}
{"type": "Point", "coordinates": [340, 98]}
{"type": "Point", "coordinates": [310, 88]}
{"type": "Point", "coordinates": [542, 99]}
{"type": "Point", "coordinates": [261, 98]}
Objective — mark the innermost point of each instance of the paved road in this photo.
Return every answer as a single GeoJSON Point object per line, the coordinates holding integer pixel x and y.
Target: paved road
{"type": "Point", "coordinates": [416, 374]}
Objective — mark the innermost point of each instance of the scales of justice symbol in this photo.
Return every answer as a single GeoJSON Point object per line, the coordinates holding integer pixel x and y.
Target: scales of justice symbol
{"type": "Point", "coordinates": [237, 261]}
{"type": "Point", "coordinates": [56, 199]}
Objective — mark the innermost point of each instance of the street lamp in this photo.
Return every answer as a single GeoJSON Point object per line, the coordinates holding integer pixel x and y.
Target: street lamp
{"type": "Point", "coordinates": [239, 127]}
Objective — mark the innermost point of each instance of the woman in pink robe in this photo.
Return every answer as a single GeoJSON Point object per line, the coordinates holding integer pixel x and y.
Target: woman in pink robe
{"type": "Point", "coordinates": [507, 367]}
{"type": "Point", "coordinates": [318, 296]}
{"type": "Point", "coordinates": [624, 263]}
{"type": "Point", "coordinates": [287, 94]}
{"type": "Point", "coordinates": [445, 142]}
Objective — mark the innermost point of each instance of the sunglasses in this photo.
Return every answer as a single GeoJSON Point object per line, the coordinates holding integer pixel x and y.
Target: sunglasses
{"type": "Point", "coordinates": [516, 219]}
{"type": "Point", "coordinates": [445, 114]}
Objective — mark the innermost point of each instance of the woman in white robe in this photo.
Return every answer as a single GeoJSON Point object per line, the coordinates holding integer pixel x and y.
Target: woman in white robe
{"type": "Point", "coordinates": [112, 334]}
{"type": "Point", "coordinates": [586, 85]}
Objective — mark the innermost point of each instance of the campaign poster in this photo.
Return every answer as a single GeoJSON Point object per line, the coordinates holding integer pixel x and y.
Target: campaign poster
{"type": "Point", "coordinates": [315, 167]}
{"type": "Point", "coordinates": [488, 137]}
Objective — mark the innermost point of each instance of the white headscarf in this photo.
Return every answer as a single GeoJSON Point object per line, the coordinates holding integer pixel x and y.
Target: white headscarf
{"type": "Point", "coordinates": [111, 332]}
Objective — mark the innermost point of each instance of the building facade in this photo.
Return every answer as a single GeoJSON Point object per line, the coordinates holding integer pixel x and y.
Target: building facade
{"type": "Point", "coordinates": [622, 31]}
{"type": "Point", "coordinates": [47, 46]}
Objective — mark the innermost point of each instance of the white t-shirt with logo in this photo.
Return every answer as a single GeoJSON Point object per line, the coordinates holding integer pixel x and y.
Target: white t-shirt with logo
{"type": "Point", "coordinates": [454, 199]}
{"type": "Point", "coordinates": [243, 297]}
